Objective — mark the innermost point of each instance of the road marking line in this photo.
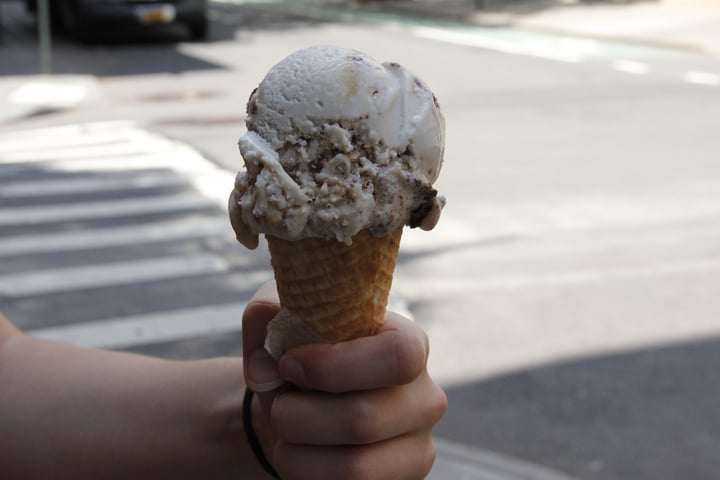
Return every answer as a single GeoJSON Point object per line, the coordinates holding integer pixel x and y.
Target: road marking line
{"type": "Point", "coordinates": [72, 139]}
{"type": "Point", "coordinates": [104, 209]}
{"type": "Point", "coordinates": [69, 130]}
{"type": "Point", "coordinates": [702, 78]}
{"type": "Point", "coordinates": [150, 328]}
{"type": "Point", "coordinates": [512, 47]}
{"type": "Point", "coordinates": [71, 186]}
{"type": "Point", "coordinates": [98, 152]}
{"type": "Point", "coordinates": [157, 232]}
{"type": "Point", "coordinates": [632, 67]}
{"type": "Point", "coordinates": [179, 160]}
{"type": "Point", "coordinates": [42, 282]}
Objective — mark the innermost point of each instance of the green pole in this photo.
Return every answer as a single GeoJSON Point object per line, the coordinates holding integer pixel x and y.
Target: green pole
{"type": "Point", "coordinates": [44, 36]}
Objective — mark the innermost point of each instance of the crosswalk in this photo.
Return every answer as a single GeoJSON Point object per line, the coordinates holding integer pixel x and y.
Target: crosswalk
{"type": "Point", "coordinates": [112, 236]}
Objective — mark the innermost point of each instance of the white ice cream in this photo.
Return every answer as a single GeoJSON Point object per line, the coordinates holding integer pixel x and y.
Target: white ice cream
{"type": "Point", "coordinates": [338, 143]}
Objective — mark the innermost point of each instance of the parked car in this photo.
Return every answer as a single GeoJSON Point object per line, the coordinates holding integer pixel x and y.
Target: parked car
{"type": "Point", "coordinates": [81, 17]}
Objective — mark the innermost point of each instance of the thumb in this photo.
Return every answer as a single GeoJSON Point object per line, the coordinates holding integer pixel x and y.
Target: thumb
{"type": "Point", "coordinates": [261, 370]}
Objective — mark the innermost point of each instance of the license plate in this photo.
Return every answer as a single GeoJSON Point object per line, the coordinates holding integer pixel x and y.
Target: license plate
{"type": "Point", "coordinates": [160, 13]}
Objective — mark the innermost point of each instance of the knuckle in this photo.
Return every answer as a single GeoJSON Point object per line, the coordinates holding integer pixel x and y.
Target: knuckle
{"type": "Point", "coordinates": [423, 456]}
{"type": "Point", "coordinates": [438, 404]}
{"type": "Point", "coordinates": [365, 419]}
{"type": "Point", "coordinates": [409, 358]}
{"type": "Point", "coordinates": [428, 459]}
{"type": "Point", "coordinates": [358, 466]}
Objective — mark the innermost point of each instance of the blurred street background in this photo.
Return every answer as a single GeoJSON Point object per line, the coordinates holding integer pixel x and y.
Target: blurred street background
{"type": "Point", "coordinates": [571, 290]}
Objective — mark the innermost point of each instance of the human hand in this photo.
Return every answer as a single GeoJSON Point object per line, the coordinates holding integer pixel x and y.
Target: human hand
{"type": "Point", "coordinates": [362, 409]}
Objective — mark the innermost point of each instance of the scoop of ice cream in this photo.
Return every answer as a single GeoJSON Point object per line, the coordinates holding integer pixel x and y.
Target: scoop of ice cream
{"type": "Point", "coordinates": [338, 143]}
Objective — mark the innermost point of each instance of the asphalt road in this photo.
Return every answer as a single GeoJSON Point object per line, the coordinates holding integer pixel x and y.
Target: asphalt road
{"type": "Point", "coordinates": [571, 290]}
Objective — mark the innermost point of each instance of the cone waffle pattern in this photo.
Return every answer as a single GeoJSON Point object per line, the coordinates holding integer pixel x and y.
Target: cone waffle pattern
{"type": "Point", "coordinates": [339, 290]}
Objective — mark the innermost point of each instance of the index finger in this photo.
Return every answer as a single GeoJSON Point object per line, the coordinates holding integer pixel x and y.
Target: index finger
{"type": "Point", "coordinates": [396, 355]}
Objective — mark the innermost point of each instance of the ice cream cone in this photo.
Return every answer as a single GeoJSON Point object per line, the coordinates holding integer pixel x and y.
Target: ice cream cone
{"type": "Point", "coordinates": [338, 145]}
{"type": "Point", "coordinates": [337, 291]}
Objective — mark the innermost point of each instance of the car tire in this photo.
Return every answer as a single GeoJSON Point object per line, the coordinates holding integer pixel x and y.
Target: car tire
{"type": "Point", "coordinates": [199, 30]}
{"type": "Point", "coordinates": [78, 30]}
{"type": "Point", "coordinates": [32, 7]}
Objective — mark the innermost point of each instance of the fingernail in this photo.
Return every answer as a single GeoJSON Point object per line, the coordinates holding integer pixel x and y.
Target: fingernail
{"type": "Point", "coordinates": [262, 372]}
{"type": "Point", "coordinates": [292, 371]}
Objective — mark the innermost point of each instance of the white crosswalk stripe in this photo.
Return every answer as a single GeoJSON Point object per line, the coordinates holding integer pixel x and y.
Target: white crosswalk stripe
{"type": "Point", "coordinates": [54, 186]}
{"type": "Point", "coordinates": [101, 209]}
{"type": "Point", "coordinates": [88, 185]}
{"type": "Point", "coordinates": [42, 282]}
{"type": "Point", "coordinates": [115, 236]}
{"type": "Point", "coordinates": [149, 328]}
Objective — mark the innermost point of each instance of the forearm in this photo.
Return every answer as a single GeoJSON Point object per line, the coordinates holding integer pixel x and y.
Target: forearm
{"type": "Point", "coordinates": [73, 413]}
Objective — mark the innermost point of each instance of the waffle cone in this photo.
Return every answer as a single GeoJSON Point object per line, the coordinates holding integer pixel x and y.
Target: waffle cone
{"type": "Point", "coordinates": [338, 291]}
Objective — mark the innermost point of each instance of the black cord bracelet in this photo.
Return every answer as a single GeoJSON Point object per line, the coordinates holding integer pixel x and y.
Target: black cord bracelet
{"type": "Point", "coordinates": [252, 437]}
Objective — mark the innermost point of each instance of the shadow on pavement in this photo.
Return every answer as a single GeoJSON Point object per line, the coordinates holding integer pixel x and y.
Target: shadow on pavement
{"type": "Point", "coordinates": [649, 413]}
